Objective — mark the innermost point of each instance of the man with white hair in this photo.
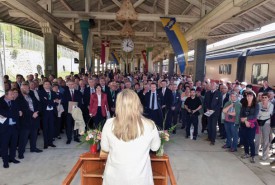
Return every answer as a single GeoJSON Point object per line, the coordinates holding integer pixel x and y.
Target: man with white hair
{"type": "Point", "coordinates": [213, 102]}
{"type": "Point", "coordinates": [243, 87]}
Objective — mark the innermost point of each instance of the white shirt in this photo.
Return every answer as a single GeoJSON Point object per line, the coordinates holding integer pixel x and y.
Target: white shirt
{"type": "Point", "coordinates": [129, 163]}
{"type": "Point", "coordinates": [99, 100]}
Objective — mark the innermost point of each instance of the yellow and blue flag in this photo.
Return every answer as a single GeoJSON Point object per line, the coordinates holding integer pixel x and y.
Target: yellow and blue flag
{"type": "Point", "coordinates": [177, 40]}
{"type": "Point", "coordinates": [115, 57]}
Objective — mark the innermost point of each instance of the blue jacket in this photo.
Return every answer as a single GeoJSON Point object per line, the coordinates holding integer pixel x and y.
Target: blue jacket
{"type": "Point", "coordinates": [8, 112]}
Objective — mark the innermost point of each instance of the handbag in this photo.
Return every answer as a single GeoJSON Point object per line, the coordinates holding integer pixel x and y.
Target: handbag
{"type": "Point", "coordinates": [230, 118]}
{"type": "Point", "coordinates": [262, 122]}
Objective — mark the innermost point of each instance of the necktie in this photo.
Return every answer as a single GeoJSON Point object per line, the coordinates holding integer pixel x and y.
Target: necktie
{"type": "Point", "coordinates": [72, 94]}
{"type": "Point", "coordinates": [153, 102]}
{"type": "Point", "coordinates": [92, 90]}
{"type": "Point", "coordinates": [49, 95]}
{"type": "Point", "coordinates": [174, 94]}
{"type": "Point", "coordinates": [9, 103]}
{"type": "Point", "coordinates": [163, 91]}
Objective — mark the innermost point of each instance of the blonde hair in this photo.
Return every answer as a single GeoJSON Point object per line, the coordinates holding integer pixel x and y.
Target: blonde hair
{"type": "Point", "coordinates": [128, 123]}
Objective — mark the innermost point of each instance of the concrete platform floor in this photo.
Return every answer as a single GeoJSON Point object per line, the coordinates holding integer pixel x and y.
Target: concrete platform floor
{"type": "Point", "coordinates": [193, 163]}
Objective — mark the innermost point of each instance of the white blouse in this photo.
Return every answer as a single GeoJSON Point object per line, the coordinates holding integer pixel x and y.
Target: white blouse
{"type": "Point", "coordinates": [99, 100]}
{"type": "Point", "coordinates": [129, 163]}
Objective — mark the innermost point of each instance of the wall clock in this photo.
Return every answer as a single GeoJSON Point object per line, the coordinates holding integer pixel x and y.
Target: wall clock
{"type": "Point", "coordinates": [127, 45]}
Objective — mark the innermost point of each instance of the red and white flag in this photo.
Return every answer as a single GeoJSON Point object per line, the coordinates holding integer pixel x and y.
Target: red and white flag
{"type": "Point", "coordinates": [105, 51]}
{"type": "Point", "coordinates": [144, 54]}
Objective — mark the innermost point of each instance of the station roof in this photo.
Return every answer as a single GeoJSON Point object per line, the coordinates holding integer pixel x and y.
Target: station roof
{"type": "Point", "coordinates": [213, 20]}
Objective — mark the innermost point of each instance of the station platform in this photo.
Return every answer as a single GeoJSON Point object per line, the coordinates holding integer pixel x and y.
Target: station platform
{"type": "Point", "coordinates": [193, 163]}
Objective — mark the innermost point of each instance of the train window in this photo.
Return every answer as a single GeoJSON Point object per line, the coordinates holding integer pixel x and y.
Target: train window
{"type": "Point", "coordinates": [259, 73]}
{"type": "Point", "coordinates": [225, 69]}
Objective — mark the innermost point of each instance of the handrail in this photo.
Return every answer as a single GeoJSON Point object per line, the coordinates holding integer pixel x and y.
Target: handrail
{"type": "Point", "coordinates": [73, 172]}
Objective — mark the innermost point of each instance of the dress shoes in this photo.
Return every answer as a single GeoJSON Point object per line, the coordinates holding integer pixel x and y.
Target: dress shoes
{"type": "Point", "coordinates": [52, 145]}
{"type": "Point", "coordinates": [68, 142]}
{"type": "Point", "coordinates": [45, 146]}
{"type": "Point", "coordinates": [6, 165]}
{"type": "Point", "coordinates": [77, 140]}
{"type": "Point", "coordinates": [207, 139]}
{"type": "Point", "coordinates": [182, 127]}
{"type": "Point", "coordinates": [14, 161]}
{"type": "Point", "coordinates": [36, 150]}
{"type": "Point", "coordinates": [21, 156]}
{"type": "Point", "coordinates": [212, 143]}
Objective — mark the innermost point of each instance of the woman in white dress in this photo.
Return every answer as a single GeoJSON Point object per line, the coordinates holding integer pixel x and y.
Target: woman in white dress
{"type": "Point", "coordinates": [128, 138]}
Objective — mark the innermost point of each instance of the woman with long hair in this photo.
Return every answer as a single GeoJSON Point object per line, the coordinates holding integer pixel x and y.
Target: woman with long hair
{"type": "Point", "coordinates": [266, 110]}
{"type": "Point", "coordinates": [249, 113]}
{"type": "Point", "coordinates": [128, 138]}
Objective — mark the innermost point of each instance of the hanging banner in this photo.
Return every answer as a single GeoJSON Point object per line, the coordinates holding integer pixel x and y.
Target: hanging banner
{"type": "Point", "coordinates": [115, 57]}
{"type": "Point", "coordinates": [84, 26]}
{"type": "Point", "coordinates": [105, 51]}
{"type": "Point", "coordinates": [144, 54]}
{"type": "Point", "coordinates": [177, 40]}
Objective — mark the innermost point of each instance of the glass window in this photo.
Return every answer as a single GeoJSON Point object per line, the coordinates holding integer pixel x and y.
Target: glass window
{"type": "Point", "coordinates": [259, 73]}
{"type": "Point", "coordinates": [225, 69]}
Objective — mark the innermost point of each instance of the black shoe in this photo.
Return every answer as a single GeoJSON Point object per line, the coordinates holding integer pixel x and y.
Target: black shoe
{"type": "Point", "coordinates": [21, 156]}
{"type": "Point", "coordinates": [68, 142]}
{"type": "Point", "coordinates": [58, 137]}
{"type": "Point", "coordinates": [77, 140]}
{"type": "Point", "coordinates": [194, 138]}
{"type": "Point", "coordinates": [212, 143]}
{"type": "Point", "coordinates": [186, 137]}
{"type": "Point", "coordinates": [36, 150]}
{"type": "Point", "coordinates": [52, 145]}
{"type": "Point", "coordinates": [6, 165]}
{"type": "Point", "coordinates": [45, 146]}
{"type": "Point", "coordinates": [223, 137]}
{"type": "Point", "coordinates": [182, 127]}
{"type": "Point", "coordinates": [14, 161]}
{"type": "Point", "coordinates": [174, 132]}
{"type": "Point", "coordinates": [53, 139]}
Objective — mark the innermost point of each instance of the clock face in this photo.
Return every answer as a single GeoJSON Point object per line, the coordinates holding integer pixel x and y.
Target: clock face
{"type": "Point", "coordinates": [127, 45]}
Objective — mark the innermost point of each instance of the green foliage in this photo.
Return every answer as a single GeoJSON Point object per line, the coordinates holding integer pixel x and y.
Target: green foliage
{"type": "Point", "coordinates": [59, 55]}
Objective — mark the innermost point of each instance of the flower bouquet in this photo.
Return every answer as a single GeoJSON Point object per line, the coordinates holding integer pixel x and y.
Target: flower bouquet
{"type": "Point", "coordinates": [164, 137]}
{"type": "Point", "coordinates": [92, 137]}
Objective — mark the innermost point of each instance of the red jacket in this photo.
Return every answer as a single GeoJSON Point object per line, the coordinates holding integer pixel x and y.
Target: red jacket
{"type": "Point", "coordinates": [94, 104]}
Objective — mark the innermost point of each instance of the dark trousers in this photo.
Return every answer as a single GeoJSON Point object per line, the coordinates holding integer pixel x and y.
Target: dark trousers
{"type": "Point", "coordinates": [184, 117]}
{"type": "Point", "coordinates": [48, 127]}
{"type": "Point", "coordinates": [171, 119]}
{"type": "Point", "coordinates": [212, 126]}
{"type": "Point", "coordinates": [57, 126]}
{"type": "Point", "coordinates": [70, 127]}
{"type": "Point", "coordinates": [86, 116]}
{"type": "Point", "coordinates": [221, 126]}
{"type": "Point", "coordinates": [9, 137]}
{"type": "Point", "coordinates": [98, 118]}
{"type": "Point", "coordinates": [156, 116]}
{"type": "Point", "coordinates": [192, 119]}
{"type": "Point", "coordinates": [248, 140]}
{"type": "Point", "coordinates": [241, 134]}
{"type": "Point", "coordinates": [204, 122]}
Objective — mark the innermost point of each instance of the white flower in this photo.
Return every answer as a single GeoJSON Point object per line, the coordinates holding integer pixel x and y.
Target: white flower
{"type": "Point", "coordinates": [90, 135]}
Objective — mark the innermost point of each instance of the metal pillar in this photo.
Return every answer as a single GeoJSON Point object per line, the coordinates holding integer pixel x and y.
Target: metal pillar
{"type": "Point", "coordinates": [199, 62]}
{"type": "Point", "coordinates": [50, 50]}
{"type": "Point", "coordinates": [171, 65]}
{"type": "Point", "coordinates": [81, 59]}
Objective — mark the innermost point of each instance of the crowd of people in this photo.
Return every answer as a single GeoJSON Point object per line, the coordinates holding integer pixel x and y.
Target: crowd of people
{"type": "Point", "coordinates": [34, 105]}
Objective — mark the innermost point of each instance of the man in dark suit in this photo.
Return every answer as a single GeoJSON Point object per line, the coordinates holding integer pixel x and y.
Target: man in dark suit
{"type": "Point", "coordinates": [71, 95]}
{"type": "Point", "coordinates": [9, 128]}
{"type": "Point", "coordinates": [172, 115]}
{"type": "Point", "coordinates": [143, 93]}
{"type": "Point", "coordinates": [48, 102]}
{"type": "Point", "coordinates": [153, 109]}
{"type": "Point", "coordinates": [167, 100]}
{"type": "Point", "coordinates": [111, 97]}
{"type": "Point", "coordinates": [105, 88]}
{"type": "Point", "coordinates": [213, 101]}
{"type": "Point", "coordinates": [225, 98]}
{"type": "Point", "coordinates": [29, 122]}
